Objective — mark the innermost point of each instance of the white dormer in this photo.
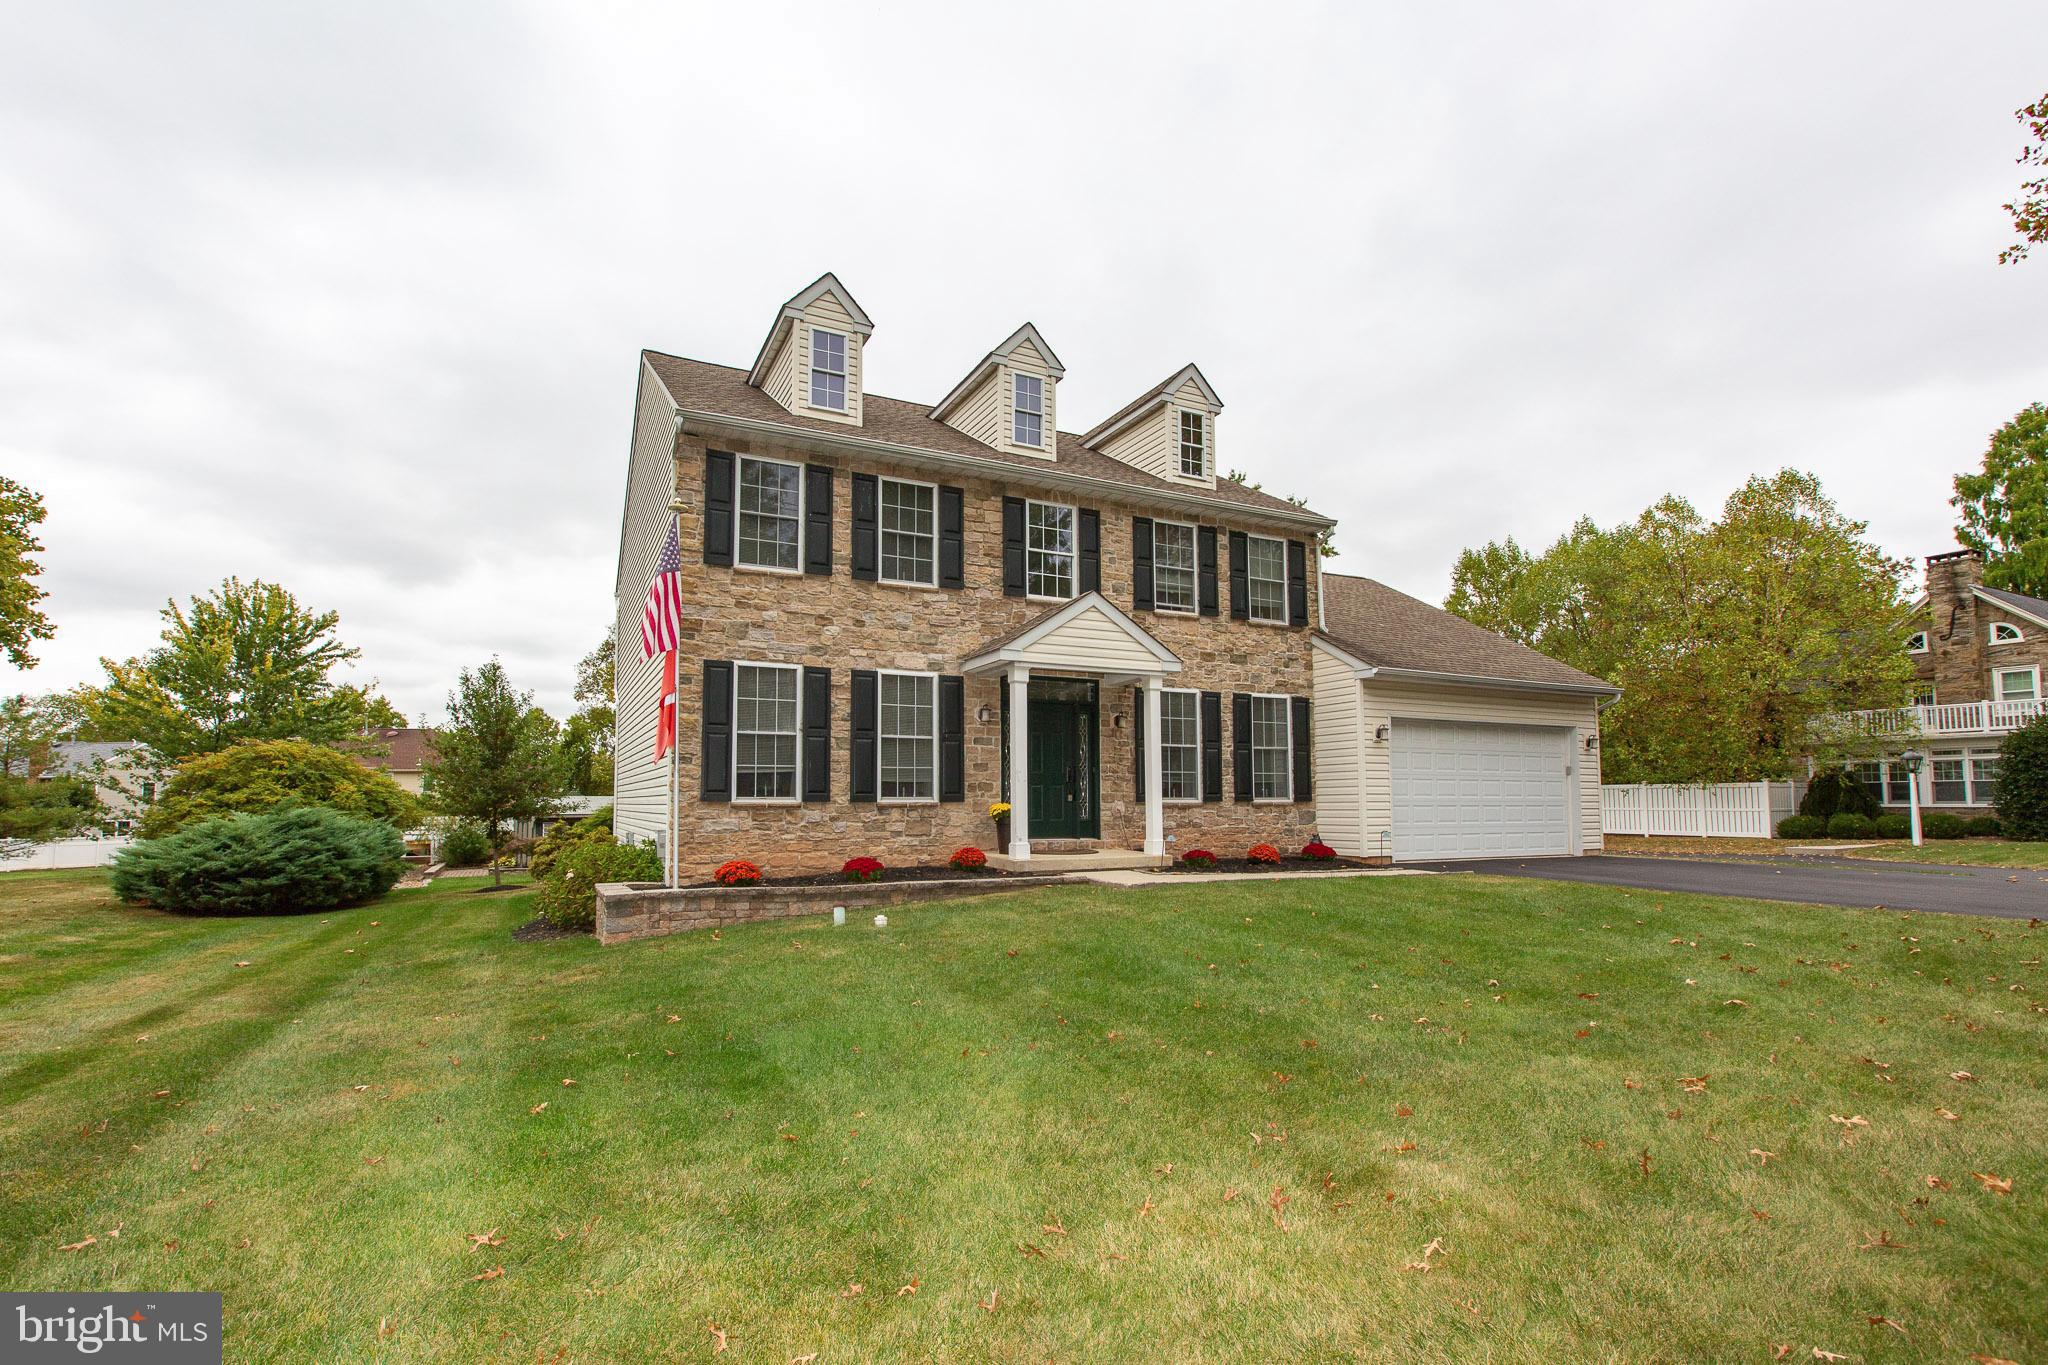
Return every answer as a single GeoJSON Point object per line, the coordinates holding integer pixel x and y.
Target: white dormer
{"type": "Point", "coordinates": [811, 361]}
{"type": "Point", "coordinates": [1170, 430]}
{"type": "Point", "coordinates": [1007, 401]}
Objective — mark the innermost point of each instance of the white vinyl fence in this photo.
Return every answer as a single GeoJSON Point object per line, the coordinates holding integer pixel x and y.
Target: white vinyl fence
{"type": "Point", "coordinates": [1722, 810]}
{"type": "Point", "coordinates": [23, 856]}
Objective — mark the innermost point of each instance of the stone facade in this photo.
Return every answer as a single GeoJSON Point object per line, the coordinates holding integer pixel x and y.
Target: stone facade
{"type": "Point", "coordinates": [837, 622]}
{"type": "Point", "coordinates": [1960, 657]}
{"type": "Point", "coordinates": [631, 910]}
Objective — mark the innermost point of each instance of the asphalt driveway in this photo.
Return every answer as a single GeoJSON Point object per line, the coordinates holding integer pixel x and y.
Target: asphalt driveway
{"type": "Point", "coordinates": [2005, 892]}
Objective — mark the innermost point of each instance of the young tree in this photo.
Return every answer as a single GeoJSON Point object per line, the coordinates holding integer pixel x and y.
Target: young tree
{"type": "Point", "coordinates": [1729, 639]}
{"type": "Point", "coordinates": [21, 619]}
{"type": "Point", "coordinates": [497, 760]}
{"type": "Point", "coordinates": [246, 661]}
{"type": "Point", "coordinates": [2030, 210]}
{"type": "Point", "coordinates": [587, 737]}
{"type": "Point", "coordinates": [2003, 509]}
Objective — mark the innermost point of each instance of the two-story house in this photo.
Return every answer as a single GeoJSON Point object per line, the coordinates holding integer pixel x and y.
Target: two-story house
{"type": "Point", "coordinates": [1978, 655]}
{"type": "Point", "coordinates": [895, 614]}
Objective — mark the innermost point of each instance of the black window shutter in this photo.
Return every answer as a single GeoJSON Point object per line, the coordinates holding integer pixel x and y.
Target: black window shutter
{"type": "Point", "coordinates": [867, 538]}
{"type": "Point", "coordinates": [817, 723]}
{"type": "Point", "coordinates": [718, 489]}
{"type": "Point", "coordinates": [952, 738]}
{"type": "Point", "coordinates": [714, 781]}
{"type": "Point", "coordinates": [1212, 746]}
{"type": "Point", "coordinates": [817, 519]}
{"type": "Point", "coordinates": [1141, 563]}
{"type": "Point", "coordinates": [1091, 550]}
{"type": "Point", "coordinates": [1240, 577]}
{"type": "Point", "coordinates": [1299, 724]}
{"type": "Point", "coordinates": [1241, 746]}
{"type": "Point", "coordinates": [861, 782]}
{"type": "Point", "coordinates": [1206, 538]}
{"type": "Point", "coordinates": [1138, 736]}
{"type": "Point", "coordinates": [952, 541]}
{"type": "Point", "coordinates": [1297, 583]}
{"type": "Point", "coordinates": [1013, 547]}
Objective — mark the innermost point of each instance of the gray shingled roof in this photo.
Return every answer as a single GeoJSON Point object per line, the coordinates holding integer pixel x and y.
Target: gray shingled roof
{"type": "Point", "coordinates": [1387, 629]}
{"type": "Point", "coordinates": [721, 390]}
{"type": "Point", "coordinates": [2032, 606]}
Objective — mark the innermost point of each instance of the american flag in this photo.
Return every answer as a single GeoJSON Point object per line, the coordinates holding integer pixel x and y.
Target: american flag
{"type": "Point", "coordinates": [660, 620]}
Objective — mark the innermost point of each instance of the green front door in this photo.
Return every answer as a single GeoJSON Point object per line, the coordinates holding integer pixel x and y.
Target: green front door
{"type": "Point", "coordinates": [1063, 766]}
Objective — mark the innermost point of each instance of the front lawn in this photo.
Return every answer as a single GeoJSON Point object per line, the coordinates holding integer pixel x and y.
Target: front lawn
{"type": "Point", "coordinates": [1967, 852]}
{"type": "Point", "coordinates": [1971, 852]}
{"type": "Point", "coordinates": [1444, 1118]}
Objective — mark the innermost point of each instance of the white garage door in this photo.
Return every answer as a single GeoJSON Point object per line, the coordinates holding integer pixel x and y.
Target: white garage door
{"type": "Point", "coordinates": [1468, 790]}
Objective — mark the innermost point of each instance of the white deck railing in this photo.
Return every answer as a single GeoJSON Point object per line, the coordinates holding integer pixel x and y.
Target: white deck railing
{"type": "Point", "coordinates": [1721, 810]}
{"type": "Point", "coordinates": [1949, 718]}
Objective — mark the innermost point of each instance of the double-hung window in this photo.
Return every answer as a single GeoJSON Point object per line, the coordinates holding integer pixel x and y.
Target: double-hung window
{"type": "Point", "coordinates": [909, 532]}
{"type": "Point", "coordinates": [1027, 410]}
{"type": "Point", "coordinates": [908, 736]}
{"type": "Point", "coordinates": [1266, 575]}
{"type": "Point", "coordinates": [1194, 444]}
{"type": "Point", "coordinates": [771, 514]}
{"type": "Point", "coordinates": [828, 369]}
{"type": "Point", "coordinates": [1983, 779]}
{"type": "Point", "coordinates": [1048, 550]}
{"type": "Point", "coordinates": [1173, 566]}
{"type": "Point", "coordinates": [2018, 684]}
{"type": "Point", "coordinates": [1871, 776]}
{"type": "Point", "coordinates": [764, 732]}
{"type": "Point", "coordinates": [1951, 787]}
{"type": "Point", "coordinates": [1272, 750]}
{"type": "Point", "coordinates": [1180, 746]}
{"type": "Point", "coordinates": [1898, 784]}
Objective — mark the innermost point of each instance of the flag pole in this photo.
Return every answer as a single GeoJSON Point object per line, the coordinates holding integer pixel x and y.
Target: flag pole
{"type": "Point", "coordinates": [675, 852]}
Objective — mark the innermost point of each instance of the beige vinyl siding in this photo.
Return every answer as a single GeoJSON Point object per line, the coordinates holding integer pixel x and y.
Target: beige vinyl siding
{"type": "Point", "coordinates": [1090, 641]}
{"type": "Point", "coordinates": [1338, 719]}
{"type": "Point", "coordinates": [826, 312]}
{"type": "Point", "coordinates": [639, 793]}
{"type": "Point", "coordinates": [1025, 358]}
{"type": "Point", "coordinates": [980, 414]}
{"type": "Point", "coordinates": [1381, 702]}
{"type": "Point", "coordinates": [1144, 444]}
{"type": "Point", "coordinates": [780, 381]}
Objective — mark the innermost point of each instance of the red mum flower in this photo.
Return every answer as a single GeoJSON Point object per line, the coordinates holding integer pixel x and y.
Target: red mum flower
{"type": "Point", "coordinates": [862, 870]}
{"type": "Point", "coordinates": [1262, 853]}
{"type": "Point", "coordinates": [738, 872]}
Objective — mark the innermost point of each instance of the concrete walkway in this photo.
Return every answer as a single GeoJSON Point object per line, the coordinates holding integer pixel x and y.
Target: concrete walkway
{"type": "Point", "coordinates": [1131, 878]}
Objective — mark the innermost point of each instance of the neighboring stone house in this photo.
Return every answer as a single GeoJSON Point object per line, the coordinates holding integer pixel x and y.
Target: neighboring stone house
{"type": "Point", "coordinates": [1978, 656]}
{"type": "Point", "coordinates": [897, 613]}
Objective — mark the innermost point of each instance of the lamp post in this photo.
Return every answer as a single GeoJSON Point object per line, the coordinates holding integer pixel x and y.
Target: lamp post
{"type": "Point", "coordinates": [1913, 758]}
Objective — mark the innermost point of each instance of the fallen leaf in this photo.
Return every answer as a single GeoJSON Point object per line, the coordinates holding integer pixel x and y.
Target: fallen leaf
{"type": "Point", "coordinates": [1992, 1183]}
{"type": "Point", "coordinates": [1229, 1193]}
{"type": "Point", "coordinates": [493, 1273]}
{"type": "Point", "coordinates": [988, 1305]}
{"type": "Point", "coordinates": [1819, 1354]}
{"type": "Point", "coordinates": [905, 1291]}
{"type": "Point", "coordinates": [1946, 1114]}
{"type": "Point", "coordinates": [1402, 1111]}
{"type": "Point", "coordinates": [1878, 1321]}
{"type": "Point", "coordinates": [1763, 1158]}
{"type": "Point", "coordinates": [1055, 1227]}
{"type": "Point", "coordinates": [1983, 1359]}
{"type": "Point", "coordinates": [538, 1107]}
{"type": "Point", "coordinates": [854, 1289]}
{"type": "Point", "coordinates": [567, 1081]}
{"type": "Point", "coordinates": [241, 964]}
{"type": "Point", "coordinates": [1935, 1182]}
{"type": "Point", "coordinates": [80, 1246]}
{"type": "Point", "coordinates": [1961, 1076]}
{"type": "Point", "coordinates": [1435, 1247]}
{"type": "Point", "coordinates": [484, 1239]}
{"type": "Point", "coordinates": [1030, 1249]}
{"type": "Point", "coordinates": [718, 1342]}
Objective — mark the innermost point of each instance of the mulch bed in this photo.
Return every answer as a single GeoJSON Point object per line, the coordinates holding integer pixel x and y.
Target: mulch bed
{"type": "Point", "coordinates": [893, 874]}
{"type": "Point", "coordinates": [1284, 865]}
{"type": "Point", "coordinates": [540, 931]}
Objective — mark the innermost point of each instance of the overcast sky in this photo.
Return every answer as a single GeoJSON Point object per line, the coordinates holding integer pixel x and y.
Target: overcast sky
{"type": "Point", "coordinates": [350, 296]}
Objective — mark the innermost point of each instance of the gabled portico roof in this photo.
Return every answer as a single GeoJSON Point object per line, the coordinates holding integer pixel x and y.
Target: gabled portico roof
{"type": "Point", "coordinates": [1087, 635]}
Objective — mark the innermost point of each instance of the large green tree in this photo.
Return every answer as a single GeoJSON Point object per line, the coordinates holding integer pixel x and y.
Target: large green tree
{"type": "Point", "coordinates": [258, 776]}
{"type": "Point", "coordinates": [2029, 209]}
{"type": "Point", "coordinates": [498, 759]}
{"type": "Point", "coordinates": [587, 736]}
{"type": "Point", "coordinates": [2002, 510]}
{"type": "Point", "coordinates": [245, 661]}
{"type": "Point", "coordinates": [1730, 639]}
{"type": "Point", "coordinates": [21, 618]}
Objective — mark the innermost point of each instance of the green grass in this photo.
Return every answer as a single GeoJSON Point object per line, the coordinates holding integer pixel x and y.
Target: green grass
{"type": "Point", "coordinates": [1965, 852]}
{"type": "Point", "coordinates": [341, 1112]}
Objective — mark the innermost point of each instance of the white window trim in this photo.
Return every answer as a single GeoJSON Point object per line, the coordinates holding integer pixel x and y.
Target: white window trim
{"type": "Point", "coordinates": [1196, 799]}
{"type": "Point", "coordinates": [1180, 468]}
{"type": "Point", "coordinates": [1017, 377]}
{"type": "Point", "coordinates": [1280, 620]}
{"type": "Point", "coordinates": [1956, 755]}
{"type": "Point", "coordinates": [811, 370]}
{"type": "Point", "coordinates": [1286, 749]}
{"type": "Point", "coordinates": [733, 773]}
{"type": "Point", "coordinates": [739, 464]}
{"type": "Point", "coordinates": [1195, 547]}
{"type": "Point", "coordinates": [1916, 643]}
{"type": "Point", "coordinates": [1073, 510]}
{"type": "Point", "coordinates": [1998, 682]}
{"type": "Point", "coordinates": [880, 799]}
{"type": "Point", "coordinates": [880, 558]}
{"type": "Point", "coordinates": [2013, 638]}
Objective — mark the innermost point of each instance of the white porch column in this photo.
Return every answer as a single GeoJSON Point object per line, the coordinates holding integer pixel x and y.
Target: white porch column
{"type": "Point", "coordinates": [1155, 799]}
{"type": "Point", "coordinates": [1020, 765]}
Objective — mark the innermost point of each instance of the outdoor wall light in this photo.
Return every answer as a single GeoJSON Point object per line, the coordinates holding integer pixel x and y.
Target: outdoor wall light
{"type": "Point", "coordinates": [1380, 734]}
{"type": "Point", "coordinates": [1116, 721]}
{"type": "Point", "coordinates": [984, 713]}
{"type": "Point", "coordinates": [1592, 743]}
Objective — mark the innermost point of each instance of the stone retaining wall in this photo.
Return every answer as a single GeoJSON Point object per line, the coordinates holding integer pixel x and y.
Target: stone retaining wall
{"type": "Point", "coordinates": [630, 910]}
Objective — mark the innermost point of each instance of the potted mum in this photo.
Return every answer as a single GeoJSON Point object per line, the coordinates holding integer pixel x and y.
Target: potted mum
{"type": "Point", "coordinates": [1000, 813]}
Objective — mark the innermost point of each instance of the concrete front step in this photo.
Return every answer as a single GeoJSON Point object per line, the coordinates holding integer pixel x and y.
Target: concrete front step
{"type": "Point", "coordinates": [1096, 860]}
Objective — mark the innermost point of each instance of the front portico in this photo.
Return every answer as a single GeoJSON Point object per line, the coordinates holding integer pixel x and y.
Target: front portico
{"type": "Point", "coordinates": [1055, 669]}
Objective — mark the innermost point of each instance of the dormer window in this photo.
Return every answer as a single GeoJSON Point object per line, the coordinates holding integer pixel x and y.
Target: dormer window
{"type": "Point", "coordinates": [1027, 411]}
{"type": "Point", "coordinates": [828, 370]}
{"type": "Point", "coordinates": [1916, 643]}
{"type": "Point", "coordinates": [2005, 633]}
{"type": "Point", "coordinates": [1194, 444]}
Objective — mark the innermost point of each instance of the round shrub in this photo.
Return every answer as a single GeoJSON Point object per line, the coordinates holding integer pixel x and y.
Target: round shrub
{"type": "Point", "coordinates": [2022, 799]}
{"type": "Point", "coordinates": [1942, 825]}
{"type": "Point", "coordinates": [1847, 826]}
{"type": "Point", "coordinates": [1318, 851]}
{"type": "Point", "coordinates": [1802, 827]}
{"type": "Point", "coordinates": [568, 898]}
{"type": "Point", "coordinates": [561, 838]}
{"type": "Point", "coordinates": [738, 872]}
{"type": "Point", "coordinates": [264, 775]}
{"type": "Point", "coordinates": [968, 859]}
{"type": "Point", "coordinates": [862, 870]}
{"type": "Point", "coordinates": [1262, 853]}
{"type": "Point", "coordinates": [1198, 857]}
{"type": "Point", "coordinates": [465, 845]}
{"type": "Point", "coordinates": [1834, 791]}
{"type": "Point", "coordinates": [296, 859]}
{"type": "Point", "coordinates": [1894, 826]}
{"type": "Point", "coordinates": [1981, 827]}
